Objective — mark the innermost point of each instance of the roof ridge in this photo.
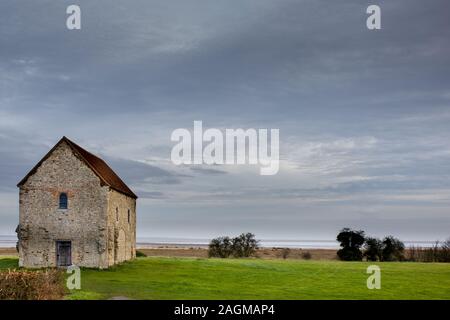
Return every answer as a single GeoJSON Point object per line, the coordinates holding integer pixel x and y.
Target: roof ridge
{"type": "Point", "coordinates": [95, 163]}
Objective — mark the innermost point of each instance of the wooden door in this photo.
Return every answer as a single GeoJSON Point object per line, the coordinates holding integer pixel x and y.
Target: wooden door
{"type": "Point", "coordinates": [63, 253]}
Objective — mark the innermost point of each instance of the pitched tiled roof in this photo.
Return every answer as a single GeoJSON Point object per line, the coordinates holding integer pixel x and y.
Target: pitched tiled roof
{"type": "Point", "coordinates": [97, 165]}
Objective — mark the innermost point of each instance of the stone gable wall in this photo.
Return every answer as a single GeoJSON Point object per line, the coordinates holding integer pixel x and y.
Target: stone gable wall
{"type": "Point", "coordinates": [84, 223]}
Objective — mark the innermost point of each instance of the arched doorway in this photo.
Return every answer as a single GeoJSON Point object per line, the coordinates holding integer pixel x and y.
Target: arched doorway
{"type": "Point", "coordinates": [120, 247]}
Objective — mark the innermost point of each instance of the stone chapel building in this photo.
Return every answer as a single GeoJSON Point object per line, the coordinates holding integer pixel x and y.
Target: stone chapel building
{"type": "Point", "coordinates": [73, 209]}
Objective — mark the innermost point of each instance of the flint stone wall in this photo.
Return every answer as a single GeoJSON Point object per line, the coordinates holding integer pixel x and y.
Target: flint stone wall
{"type": "Point", "coordinates": [86, 223]}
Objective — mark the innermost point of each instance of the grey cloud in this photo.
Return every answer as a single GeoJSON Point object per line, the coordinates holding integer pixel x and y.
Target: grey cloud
{"type": "Point", "coordinates": [18, 154]}
{"type": "Point", "coordinates": [135, 172]}
{"type": "Point", "coordinates": [208, 171]}
{"type": "Point", "coordinates": [151, 195]}
{"type": "Point", "coordinates": [363, 116]}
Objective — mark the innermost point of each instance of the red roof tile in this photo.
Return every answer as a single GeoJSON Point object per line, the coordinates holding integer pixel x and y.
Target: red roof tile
{"type": "Point", "coordinates": [97, 165]}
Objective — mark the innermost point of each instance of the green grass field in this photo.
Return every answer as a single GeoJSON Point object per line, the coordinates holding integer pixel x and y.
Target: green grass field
{"type": "Point", "coordinates": [185, 278]}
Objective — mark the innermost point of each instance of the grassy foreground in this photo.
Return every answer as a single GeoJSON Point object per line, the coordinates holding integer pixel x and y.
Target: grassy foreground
{"type": "Point", "coordinates": [185, 278]}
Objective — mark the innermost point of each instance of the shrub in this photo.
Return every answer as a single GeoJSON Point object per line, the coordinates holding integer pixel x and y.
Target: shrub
{"type": "Point", "coordinates": [351, 242]}
{"type": "Point", "coordinates": [393, 249]}
{"type": "Point", "coordinates": [306, 255]}
{"type": "Point", "coordinates": [373, 249]}
{"type": "Point", "coordinates": [244, 245]}
{"type": "Point", "coordinates": [32, 285]}
{"type": "Point", "coordinates": [220, 247]}
{"type": "Point", "coordinates": [140, 254]}
{"type": "Point", "coordinates": [420, 254]}
{"type": "Point", "coordinates": [445, 251]}
{"type": "Point", "coordinates": [350, 254]}
{"type": "Point", "coordinates": [440, 252]}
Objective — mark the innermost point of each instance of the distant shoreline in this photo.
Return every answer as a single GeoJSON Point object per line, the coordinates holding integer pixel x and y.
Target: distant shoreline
{"type": "Point", "coordinates": [196, 250]}
{"type": "Point", "coordinates": [9, 241]}
{"type": "Point", "coordinates": [263, 244]}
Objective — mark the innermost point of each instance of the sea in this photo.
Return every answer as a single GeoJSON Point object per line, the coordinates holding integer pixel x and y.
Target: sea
{"type": "Point", "coordinates": [9, 241]}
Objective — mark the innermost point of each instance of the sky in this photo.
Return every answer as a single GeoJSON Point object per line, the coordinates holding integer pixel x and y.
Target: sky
{"type": "Point", "coordinates": [363, 114]}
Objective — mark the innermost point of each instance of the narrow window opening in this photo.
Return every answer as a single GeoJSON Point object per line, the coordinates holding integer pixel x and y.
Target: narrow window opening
{"type": "Point", "coordinates": [63, 203]}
